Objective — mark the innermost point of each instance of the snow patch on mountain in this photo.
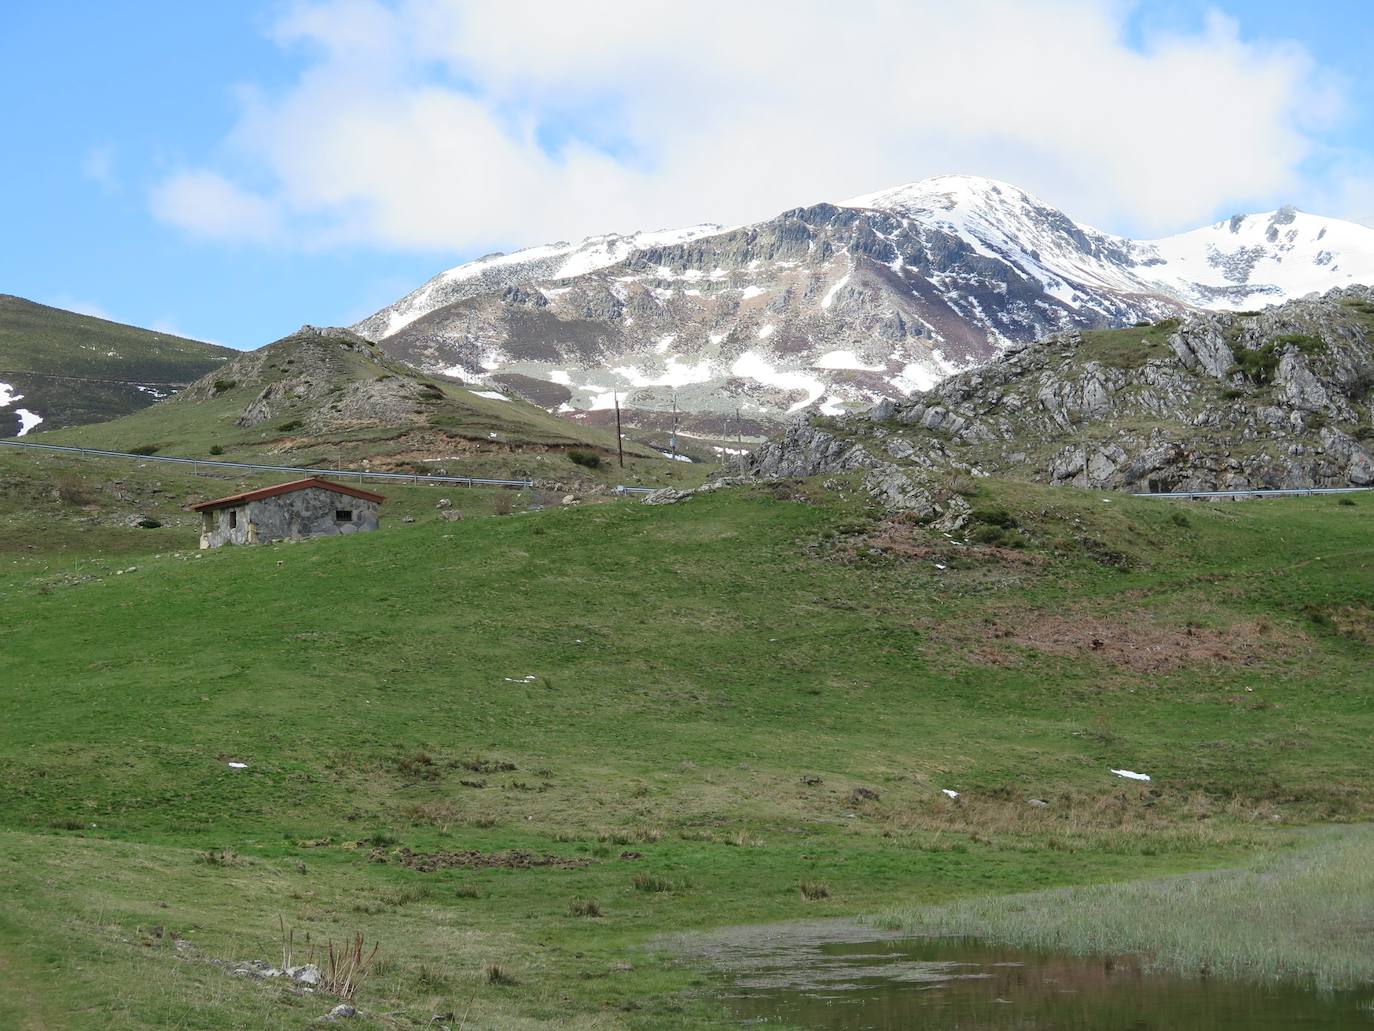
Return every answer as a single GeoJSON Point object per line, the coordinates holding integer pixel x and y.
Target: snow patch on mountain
{"type": "Point", "coordinates": [27, 419]}
{"type": "Point", "coordinates": [838, 306]}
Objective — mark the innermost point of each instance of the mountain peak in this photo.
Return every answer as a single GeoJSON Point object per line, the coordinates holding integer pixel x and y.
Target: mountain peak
{"type": "Point", "coordinates": [834, 306]}
{"type": "Point", "coordinates": [943, 192]}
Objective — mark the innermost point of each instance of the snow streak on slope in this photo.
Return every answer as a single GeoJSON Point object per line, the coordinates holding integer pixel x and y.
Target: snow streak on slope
{"type": "Point", "coordinates": [832, 307]}
{"type": "Point", "coordinates": [1242, 262]}
{"type": "Point", "coordinates": [27, 419]}
{"type": "Point", "coordinates": [549, 262]}
{"type": "Point", "coordinates": [1251, 261]}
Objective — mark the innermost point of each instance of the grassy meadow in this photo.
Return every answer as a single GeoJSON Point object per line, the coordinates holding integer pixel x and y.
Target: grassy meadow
{"type": "Point", "coordinates": [515, 751]}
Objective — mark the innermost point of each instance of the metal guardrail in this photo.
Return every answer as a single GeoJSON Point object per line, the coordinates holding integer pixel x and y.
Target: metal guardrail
{"type": "Point", "coordinates": [1291, 492]}
{"type": "Point", "coordinates": [198, 463]}
{"type": "Point", "coordinates": [361, 474]}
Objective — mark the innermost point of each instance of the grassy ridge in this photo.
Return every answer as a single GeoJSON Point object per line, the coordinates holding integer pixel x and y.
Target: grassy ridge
{"type": "Point", "coordinates": [454, 429]}
{"type": "Point", "coordinates": [75, 369]}
{"type": "Point", "coordinates": [705, 685]}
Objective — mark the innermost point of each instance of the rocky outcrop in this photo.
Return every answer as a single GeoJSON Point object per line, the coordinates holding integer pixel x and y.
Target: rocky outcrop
{"type": "Point", "coordinates": [1281, 398]}
{"type": "Point", "coordinates": [832, 307]}
{"type": "Point", "coordinates": [317, 381]}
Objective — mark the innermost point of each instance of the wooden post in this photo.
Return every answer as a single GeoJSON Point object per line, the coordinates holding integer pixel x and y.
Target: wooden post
{"type": "Point", "coordinates": [674, 425]}
{"type": "Point", "coordinates": [739, 439]}
{"type": "Point", "coordinates": [619, 442]}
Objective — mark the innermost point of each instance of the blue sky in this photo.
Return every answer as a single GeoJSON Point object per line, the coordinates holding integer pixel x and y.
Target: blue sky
{"type": "Point", "coordinates": [229, 171]}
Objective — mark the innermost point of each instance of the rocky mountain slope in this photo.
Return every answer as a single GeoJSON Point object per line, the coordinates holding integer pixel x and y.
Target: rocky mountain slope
{"type": "Point", "coordinates": [833, 307]}
{"type": "Point", "coordinates": [58, 368]}
{"type": "Point", "coordinates": [1214, 401]}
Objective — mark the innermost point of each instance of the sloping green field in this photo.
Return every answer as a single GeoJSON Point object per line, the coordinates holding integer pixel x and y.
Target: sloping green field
{"type": "Point", "coordinates": [75, 369]}
{"type": "Point", "coordinates": [677, 704]}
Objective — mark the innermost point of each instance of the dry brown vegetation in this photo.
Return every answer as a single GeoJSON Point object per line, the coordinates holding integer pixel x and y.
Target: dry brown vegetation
{"type": "Point", "coordinates": [1132, 642]}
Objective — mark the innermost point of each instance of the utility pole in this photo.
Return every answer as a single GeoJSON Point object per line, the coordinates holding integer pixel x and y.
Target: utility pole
{"type": "Point", "coordinates": [619, 440]}
{"type": "Point", "coordinates": [739, 439]}
{"type": "Point", "coordinates": [674, 425]}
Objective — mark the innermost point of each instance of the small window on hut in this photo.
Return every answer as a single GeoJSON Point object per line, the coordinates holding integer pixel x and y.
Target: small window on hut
{"type": "Point", "coordinates": [233, 518]}
{"type": "Point", "coordinates": [343, 515]}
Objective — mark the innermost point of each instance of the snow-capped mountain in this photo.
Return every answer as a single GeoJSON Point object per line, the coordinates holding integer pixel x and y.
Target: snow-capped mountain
{"type": "Point", "coordinates": [835, 306]}
{"type": "Point", "coordinates": [496, 271]}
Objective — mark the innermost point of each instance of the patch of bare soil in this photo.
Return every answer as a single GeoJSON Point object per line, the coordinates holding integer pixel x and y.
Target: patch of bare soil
{"type": "Point", "coordinates": [517, 859]}
{"type": "Point", "coordinates": [901, 537]}
{"type": "Point", "coordinates": [1136, 644]}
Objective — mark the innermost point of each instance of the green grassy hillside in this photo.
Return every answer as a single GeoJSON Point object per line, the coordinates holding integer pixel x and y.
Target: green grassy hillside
{"type": "Point", "coordinates": [64, 509]}
{"type": "Point", "coordinates": [313, 399]}
{"type": "Point", "coordinates": [465, 740]}
{"type": "Point", "coordinates": [74, 369]}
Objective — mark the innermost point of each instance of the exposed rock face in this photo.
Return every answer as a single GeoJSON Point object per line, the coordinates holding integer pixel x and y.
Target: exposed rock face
{"type": "Point", "coordinates": [321, 380]}
{"type": "Point", "coordinates": [1283, 398]}
{"type": "Point", "coordinates": [832, 307]}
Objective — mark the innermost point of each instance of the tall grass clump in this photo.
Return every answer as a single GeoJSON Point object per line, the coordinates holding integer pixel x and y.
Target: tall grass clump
{"type": "Point", "coordinates": [1287, 915]}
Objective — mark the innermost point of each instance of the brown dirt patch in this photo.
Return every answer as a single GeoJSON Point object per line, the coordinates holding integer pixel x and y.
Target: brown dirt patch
{"type": "Point", "coordinates": [901, 537]}
{"type": "Point", "coordinates": [1139, 644]}
{"type": "Point", "coordinates": [428, 862]}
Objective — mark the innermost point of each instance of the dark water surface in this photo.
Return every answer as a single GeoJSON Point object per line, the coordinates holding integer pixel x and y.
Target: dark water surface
{"type": "Point", "coordinates": [936, 984]}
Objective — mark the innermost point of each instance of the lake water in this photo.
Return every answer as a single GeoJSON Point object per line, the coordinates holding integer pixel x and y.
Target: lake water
{"type": "Point", "coordinates": [935, 984]}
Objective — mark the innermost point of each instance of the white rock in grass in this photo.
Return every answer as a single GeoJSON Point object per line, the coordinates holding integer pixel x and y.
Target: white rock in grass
{"type": "Point", "coordinates": [1131, 775]}
{"type": "Point", "coordinates": [309, 974]}
{"type": "Point", "coordinates": [238, 766]}
{"type": "Point", "coordinates": [951, 794]}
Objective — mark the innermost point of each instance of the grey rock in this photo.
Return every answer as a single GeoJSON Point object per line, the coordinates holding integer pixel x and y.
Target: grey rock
{"type": "Point", "coordinates": [308, 975]}
{"type": "Point", "coordinates": [1181, 421]}
{"type": "Point", "coordinates": [1203, 348]}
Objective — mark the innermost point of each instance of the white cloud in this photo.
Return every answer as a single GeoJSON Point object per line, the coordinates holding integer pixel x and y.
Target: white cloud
{"type": "Point", "coordinates": [463, 124]}
{"type": "Point", "coordinates": [98, 165]}
{"type": "Point", "coordinates": [208, 204]}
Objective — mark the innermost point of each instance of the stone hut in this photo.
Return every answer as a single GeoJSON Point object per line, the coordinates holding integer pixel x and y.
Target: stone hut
{"type": "Point", "coordinates": [288, 511]}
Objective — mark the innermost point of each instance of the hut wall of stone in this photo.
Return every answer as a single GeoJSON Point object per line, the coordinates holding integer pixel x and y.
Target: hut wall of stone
{"type": "Point", "coordinates": [313, 512]}
{"type": "Point", "coordinates": [215, 528]}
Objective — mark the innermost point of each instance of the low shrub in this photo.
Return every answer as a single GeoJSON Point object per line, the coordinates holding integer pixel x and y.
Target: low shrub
{"type": "Point", "coordinates": [584, 907]}
{"type": "Point", "coordinates": [993, 517]}
{"type": "Point", "coordinates": [586, 459]}
{"type": "Point", "coordinates": [650, 883]}
{"type": "Point", "coordinates": [145, 449]}
{"type": "Point", "coordinates": [289, 425]}
{"type": "Point", "coordinates": [1304, 342]}
{"type": "Point", "coordinates": [215, 449]}
{"type": "Point", "coordinates": [813, 891]}
{"type": "Point", "coordinates": [219, 857]}
{"type": "Point", "coordinates": [221, 385]}
{"type": "Point", "coordinates": [988, 535]}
